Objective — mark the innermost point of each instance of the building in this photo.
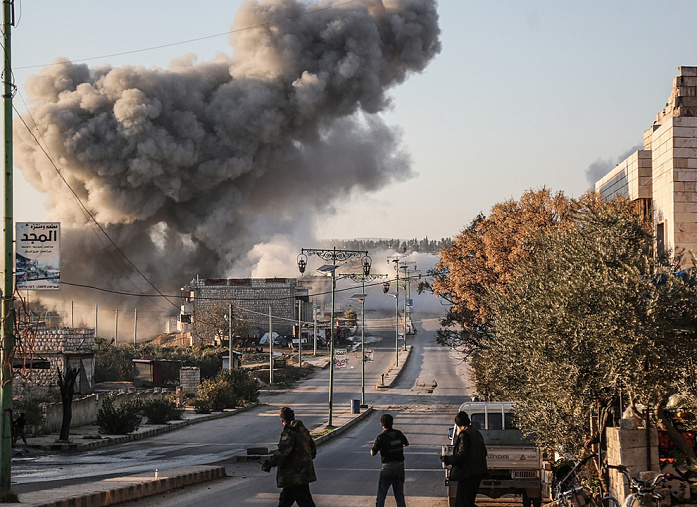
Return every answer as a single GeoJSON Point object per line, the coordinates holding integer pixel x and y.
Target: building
{"type": "Point", "coordinates": [251, 298]}
{"type": "Point", "coordinates": [663, 176]}
{"type": "Point", "coordinates": [61, 349]}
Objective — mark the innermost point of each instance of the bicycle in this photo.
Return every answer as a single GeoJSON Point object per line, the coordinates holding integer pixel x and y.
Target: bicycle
{"type": "Point", "coordinates": [643, 493]}
{"type": "Point", "coordinates": [570, 492]}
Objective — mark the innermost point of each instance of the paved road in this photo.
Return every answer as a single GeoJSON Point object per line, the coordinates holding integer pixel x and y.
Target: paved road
{"type": "Point", "coordinates": [423, 402]}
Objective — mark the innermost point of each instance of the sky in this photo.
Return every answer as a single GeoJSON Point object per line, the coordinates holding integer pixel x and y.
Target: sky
{"type": "Point", "coordinates": [523, 94]}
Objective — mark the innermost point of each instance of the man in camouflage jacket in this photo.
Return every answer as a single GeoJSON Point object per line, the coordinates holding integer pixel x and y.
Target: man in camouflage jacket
{"type": "Point", "coordinates": [294, 456]}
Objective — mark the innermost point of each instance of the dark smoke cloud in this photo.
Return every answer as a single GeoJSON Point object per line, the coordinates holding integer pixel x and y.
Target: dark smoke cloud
{"type": "Point", "coordinates": [601, 167]}
{"type": "Point", "coordinates": [189, 168]}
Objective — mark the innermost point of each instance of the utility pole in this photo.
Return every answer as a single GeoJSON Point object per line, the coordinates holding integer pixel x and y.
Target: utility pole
{"type": "Point", "coordinates": [135, 327]}
{"type": "Point", "coordinates": [300, 335]}
{"type": "Point", "coordinates": [229, 337]}
{"type": "Point", "coordinates": [314, 318]}
{"type": "Point", "coordinates": [116, 326]}
{"type": "Point", "coordinates": [7, 330]}
{"type": "Point", "coordinates": [270, 348]}
{"type": "Point", "coordinates": [96, 320]}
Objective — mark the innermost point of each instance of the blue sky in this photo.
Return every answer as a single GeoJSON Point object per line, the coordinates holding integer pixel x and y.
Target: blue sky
{"type": "Point", "coordinates": [523, 95]}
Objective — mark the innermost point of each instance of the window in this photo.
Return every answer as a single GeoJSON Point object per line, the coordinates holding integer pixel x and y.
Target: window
{"type": "Point", "coordinates": [660, 239]}
{"type": "Point", "coordinates": [495, 421]}
{"type": "Point", "coordinates": [477, 421]}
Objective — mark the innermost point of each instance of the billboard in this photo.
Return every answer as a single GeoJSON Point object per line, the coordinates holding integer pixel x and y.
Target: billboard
{"type": "Point", "coordinates": [37, 255]}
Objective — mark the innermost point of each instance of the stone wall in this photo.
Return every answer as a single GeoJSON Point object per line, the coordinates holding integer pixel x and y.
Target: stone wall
{"type": "Point", "coordinates": [63, 348]}
{"type": "Point", "coordinates": [189, 379]}
{"type": "Point", "coordinates": [628, 447]}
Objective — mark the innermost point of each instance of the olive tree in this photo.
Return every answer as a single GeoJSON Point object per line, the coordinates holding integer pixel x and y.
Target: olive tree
{"type": "Point", "coordinates": [589, 317]}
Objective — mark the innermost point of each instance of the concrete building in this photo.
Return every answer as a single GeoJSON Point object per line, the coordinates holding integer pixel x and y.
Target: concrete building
{"type": "Point", "coordinates": [251, 299]}
{"type": "Point", "coordinates": [663, 176]}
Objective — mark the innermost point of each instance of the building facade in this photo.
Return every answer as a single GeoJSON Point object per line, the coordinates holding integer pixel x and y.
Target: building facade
{"type": "Point", "coordinates": [663, 176]}
{"type": "Point", "coordinates": [252, 300]}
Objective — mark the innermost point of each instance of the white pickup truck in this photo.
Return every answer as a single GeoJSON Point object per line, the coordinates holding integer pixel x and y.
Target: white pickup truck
{"type": "Point", "coordinates": [514, 465]}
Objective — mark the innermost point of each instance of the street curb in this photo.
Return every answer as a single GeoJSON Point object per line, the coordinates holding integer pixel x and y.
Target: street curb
{"type": "Point", "coordinates": [393, 378]}
{"type": "Point", "coordinates": [318, 439]}
{"type": "Point", "coordinates": [120, 439]}
{"type": "Point", "coordinates": [341, 429]}
{"type": "Point", "coordinates": [109, 495]}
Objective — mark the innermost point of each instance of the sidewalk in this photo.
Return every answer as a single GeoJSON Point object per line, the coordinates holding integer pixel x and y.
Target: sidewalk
{"type": "Point", "coordinates": [122, 489]}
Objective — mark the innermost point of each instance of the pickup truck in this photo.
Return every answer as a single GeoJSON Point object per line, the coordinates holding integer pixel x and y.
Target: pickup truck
{"type": "Point", "coordinates": [514, 464]}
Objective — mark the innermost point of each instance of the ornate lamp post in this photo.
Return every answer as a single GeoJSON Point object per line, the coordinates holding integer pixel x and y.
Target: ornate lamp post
{"type": "Point", "coordinates": [404, 265]}
{"type": "Point", "coordinates": [395, 261]}
{"type": "Point", "coordinates": [361, 297]}
{"type": "Point", "coordinates": [332, 256]}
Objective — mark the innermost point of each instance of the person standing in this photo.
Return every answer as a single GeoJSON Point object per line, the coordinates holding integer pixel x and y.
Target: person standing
{"type": "Point", "coordinates": [390, 444]}
{"type": "Point", "coordinates": [20, 424]}
{"type": "Point", "coordinates": [468, 461]}
{"type": "Point", "coordinates": [294, 456]}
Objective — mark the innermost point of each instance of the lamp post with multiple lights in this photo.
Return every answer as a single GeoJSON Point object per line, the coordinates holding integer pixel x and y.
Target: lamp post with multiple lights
{"type": "Point", "coordinates": [404, 265]}
{"type": "Point", "coordinates": [361, 297]}
{"type": "Point", "coordinates": [334, 255]}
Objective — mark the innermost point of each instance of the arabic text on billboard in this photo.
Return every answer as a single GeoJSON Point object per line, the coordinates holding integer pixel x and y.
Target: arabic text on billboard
{"type": "Point", "coordinates": [37, 264]}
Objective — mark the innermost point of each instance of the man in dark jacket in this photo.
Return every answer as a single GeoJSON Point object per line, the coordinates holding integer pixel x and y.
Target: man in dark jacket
{"type": "Point", "coordinates": [468, 461]}
{"type": "Point", "coordinates": [390, 444]}
{"type": "Point", "coordinates": [294, 456]}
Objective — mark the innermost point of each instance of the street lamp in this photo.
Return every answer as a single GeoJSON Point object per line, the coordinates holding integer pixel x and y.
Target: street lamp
{"type": "Point", "coordinates": [334, 256]}
{"type": "Point", "coordinates": [361, 297]}
{"type": "Point", "coordinates": [395, 261]}
{"type": "Point", "coordinates": [404, 265]}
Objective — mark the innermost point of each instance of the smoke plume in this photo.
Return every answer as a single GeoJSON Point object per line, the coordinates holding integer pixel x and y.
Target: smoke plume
{"type": "Point", "coordinates": [189, 168]}
{"type": "Point", "coordinates": [601, 167]}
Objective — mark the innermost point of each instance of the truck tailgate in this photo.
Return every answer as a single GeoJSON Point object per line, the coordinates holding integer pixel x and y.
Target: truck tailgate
{"type": "Point", "coordinates": [510, 458]}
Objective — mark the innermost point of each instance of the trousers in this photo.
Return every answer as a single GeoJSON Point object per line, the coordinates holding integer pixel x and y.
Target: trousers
{"type": "Point", "coordinates": [392, 474]}
{"type": "Point", "coordinates": [299, 493]}
{"type": "Point", "coordinates": [467, 491]}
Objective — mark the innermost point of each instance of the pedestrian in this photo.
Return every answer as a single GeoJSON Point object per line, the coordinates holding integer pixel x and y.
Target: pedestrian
{"type": "Point", "coordinates": [468, 461]}
{"type": "Point", "coordinates": [390, 444]}
{"type": "Point", "coordinates": [19, 427]}
{"type": "Point", "coordinates": [294, 456]}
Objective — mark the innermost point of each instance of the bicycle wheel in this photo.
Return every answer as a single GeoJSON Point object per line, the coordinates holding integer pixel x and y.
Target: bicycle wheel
{"type": "Point", "coordinates": [606, 501]}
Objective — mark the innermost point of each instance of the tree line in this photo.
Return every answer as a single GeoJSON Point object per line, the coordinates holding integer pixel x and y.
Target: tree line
{"type": "Point", "coordinates": [424, 245]}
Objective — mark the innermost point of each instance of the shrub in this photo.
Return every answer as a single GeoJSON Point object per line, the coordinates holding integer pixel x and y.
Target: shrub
{"type": "Point", "coordinates": [160, 410]}
{"type": "Point", "coordinates": [115, 362]}
{"type": "Point", "coordinates": [32, 406]}
{"type": "Point", "coordinates": [202, 407]}
{"type": "Point", "coordinates": [228, 389]}
{"type": "Point", "coordinates": [122, 420]}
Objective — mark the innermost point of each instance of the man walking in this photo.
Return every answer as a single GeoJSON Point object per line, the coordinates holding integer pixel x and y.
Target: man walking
{"type": "Point", "coordinates": [20, 430]}
{"type": "Point", "coordinates": [468, 461]}
{"type": "Point", "coordinates": [294, 456]}
{"type": "Point", "coordinates": [390, 444]}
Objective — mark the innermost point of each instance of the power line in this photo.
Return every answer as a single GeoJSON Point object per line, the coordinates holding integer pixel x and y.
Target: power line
{"type": "Point", "coordinates": [188, 41]}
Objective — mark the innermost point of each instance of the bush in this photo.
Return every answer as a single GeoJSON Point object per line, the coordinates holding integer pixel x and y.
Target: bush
{"type": "Point", "coordinates": [115, 362]}
{"type": "Point", "coordinates": [122, 420]}
{"type": "Point", "coordinates": [202, 407]}
{"type": "Point", "coordinates": [228, 389]}
{"type": "Point", "coordinates": [32, 407]}
{"type": "Point", "coordinates": [160, 410]}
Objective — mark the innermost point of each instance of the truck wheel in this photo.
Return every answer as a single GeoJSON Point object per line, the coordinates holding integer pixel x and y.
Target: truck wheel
{"type": "Point", "coordinates": [531, 501]}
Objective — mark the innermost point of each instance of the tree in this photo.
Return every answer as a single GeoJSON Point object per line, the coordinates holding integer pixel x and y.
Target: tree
{"type": "Point", "coordinates": [589, 317]}
{"type": "Point", "coordinates": [351, 317]}
{"type": "Point", "coordinates": [211, 322]}
{"type": "Point", "coordinates": [483, 257]}
{"type": "Point", "coordinates": [67, 390]}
